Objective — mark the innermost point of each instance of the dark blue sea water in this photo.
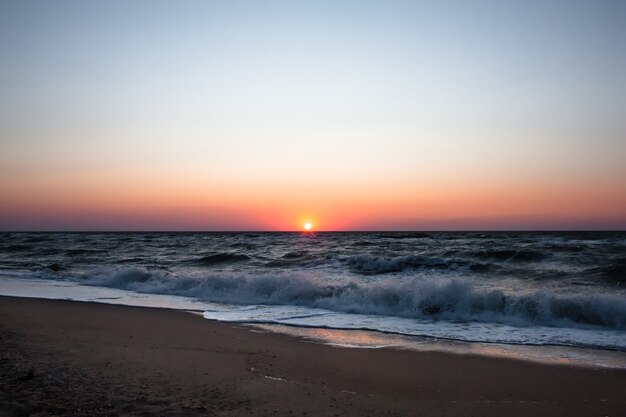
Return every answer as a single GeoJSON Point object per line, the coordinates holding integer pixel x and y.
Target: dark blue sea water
{"type": "Point", "coordinates": [543, 288]}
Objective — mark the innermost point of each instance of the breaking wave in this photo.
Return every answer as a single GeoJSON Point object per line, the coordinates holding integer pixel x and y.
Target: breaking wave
{"type": "Point", "coordinates": [416, 297]}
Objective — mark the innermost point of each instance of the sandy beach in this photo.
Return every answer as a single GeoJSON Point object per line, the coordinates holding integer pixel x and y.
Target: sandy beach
{"type": "Point", "coordinates": [75, 358]}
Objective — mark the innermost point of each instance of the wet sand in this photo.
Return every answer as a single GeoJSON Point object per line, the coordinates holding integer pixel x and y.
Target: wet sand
{"type": "Point", "coordinates": [75, 358]}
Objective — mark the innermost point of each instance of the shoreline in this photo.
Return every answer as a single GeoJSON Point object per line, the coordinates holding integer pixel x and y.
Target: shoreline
{"type": "Point", "coordinates": [103, 359]}
{"type": "Point", "coordinates": [588, 356]}
{"type": "Point", "coordinates": [335, 336]}
{"type": "Point", "coordinates": [584, 357]}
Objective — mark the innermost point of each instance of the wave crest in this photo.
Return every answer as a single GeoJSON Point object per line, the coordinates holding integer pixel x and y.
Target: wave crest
{"type": "Point", "coordinates": [417, 297]}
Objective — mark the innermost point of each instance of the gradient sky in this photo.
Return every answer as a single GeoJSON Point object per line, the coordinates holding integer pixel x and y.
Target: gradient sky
{"type": "Point", "coordinates": [355, 115]}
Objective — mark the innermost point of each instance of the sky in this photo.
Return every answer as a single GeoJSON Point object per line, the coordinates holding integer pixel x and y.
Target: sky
{"type": "Point", "coordinates": [351, 115]}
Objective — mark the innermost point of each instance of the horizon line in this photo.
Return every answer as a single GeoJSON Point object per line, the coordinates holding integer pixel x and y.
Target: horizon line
{"type": "Point", "coordinates": [325, 231]}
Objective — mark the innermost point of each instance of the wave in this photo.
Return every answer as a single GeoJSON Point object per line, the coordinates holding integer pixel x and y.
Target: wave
{"type": "Point", "coordinates": [509, 255]}
{"type": "Point", "coordinates": [55, 266]}
{"type": "Point", "coordinates": [16, 248]}
{"type": "Point", "coordinates": [243, 245]}
{"type": "Point", "coordinates": [219, 258]}
{"type": "Point", "coordinates": [367, 264]}
{"type": "Point", "coordinates": [614, 272]}
{"type": "Point", "coordinates": [295, 254]}
{"type": "Point", "coordinates": [364, 243]}
{"type": "Point", "coordinates": [403, 235]}
{"type": "Point", "coordinates": [416, 297]}
{"type": "Point", "coordinates": [83, 251]}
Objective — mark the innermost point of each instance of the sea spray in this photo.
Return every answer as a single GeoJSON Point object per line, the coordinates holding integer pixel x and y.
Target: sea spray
{"type": "Point", "coordinates": [410, 297]}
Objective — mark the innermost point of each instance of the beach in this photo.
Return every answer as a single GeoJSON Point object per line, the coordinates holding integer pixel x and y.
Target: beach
{"type": "Point", "coordinates": [313, 208]}
{"type": "Point", "coordinates": [76, 358]}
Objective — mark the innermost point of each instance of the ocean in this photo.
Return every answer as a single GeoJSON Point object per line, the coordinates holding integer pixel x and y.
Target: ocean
{"type": "Point", "coordinates": [508, 288]}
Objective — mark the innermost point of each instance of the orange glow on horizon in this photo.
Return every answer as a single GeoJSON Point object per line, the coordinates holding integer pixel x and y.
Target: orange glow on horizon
{"type": "Point", "coordinates": [159, 205]}
{"type": "Point", "coordinates": [437, 120]}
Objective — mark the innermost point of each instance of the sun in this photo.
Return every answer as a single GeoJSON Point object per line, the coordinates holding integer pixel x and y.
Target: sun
{"type": "Point", "coordinates": [307, 226]}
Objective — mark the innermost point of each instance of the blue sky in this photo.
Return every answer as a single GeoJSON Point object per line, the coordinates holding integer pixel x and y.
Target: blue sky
{"type": "Point", "coordinates": [326, 101]}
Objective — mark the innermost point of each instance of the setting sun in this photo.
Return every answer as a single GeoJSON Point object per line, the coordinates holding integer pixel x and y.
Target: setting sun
{"type": "Point", "coordinates": [307, 226]}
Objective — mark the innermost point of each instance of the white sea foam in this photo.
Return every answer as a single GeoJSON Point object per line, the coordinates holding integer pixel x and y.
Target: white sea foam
{"type": "Point", "coordinates": [419, 297]}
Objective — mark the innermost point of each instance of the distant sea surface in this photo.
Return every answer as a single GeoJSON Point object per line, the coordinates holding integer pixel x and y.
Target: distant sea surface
{"type": "Point", "coordinates": [525, 288]}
